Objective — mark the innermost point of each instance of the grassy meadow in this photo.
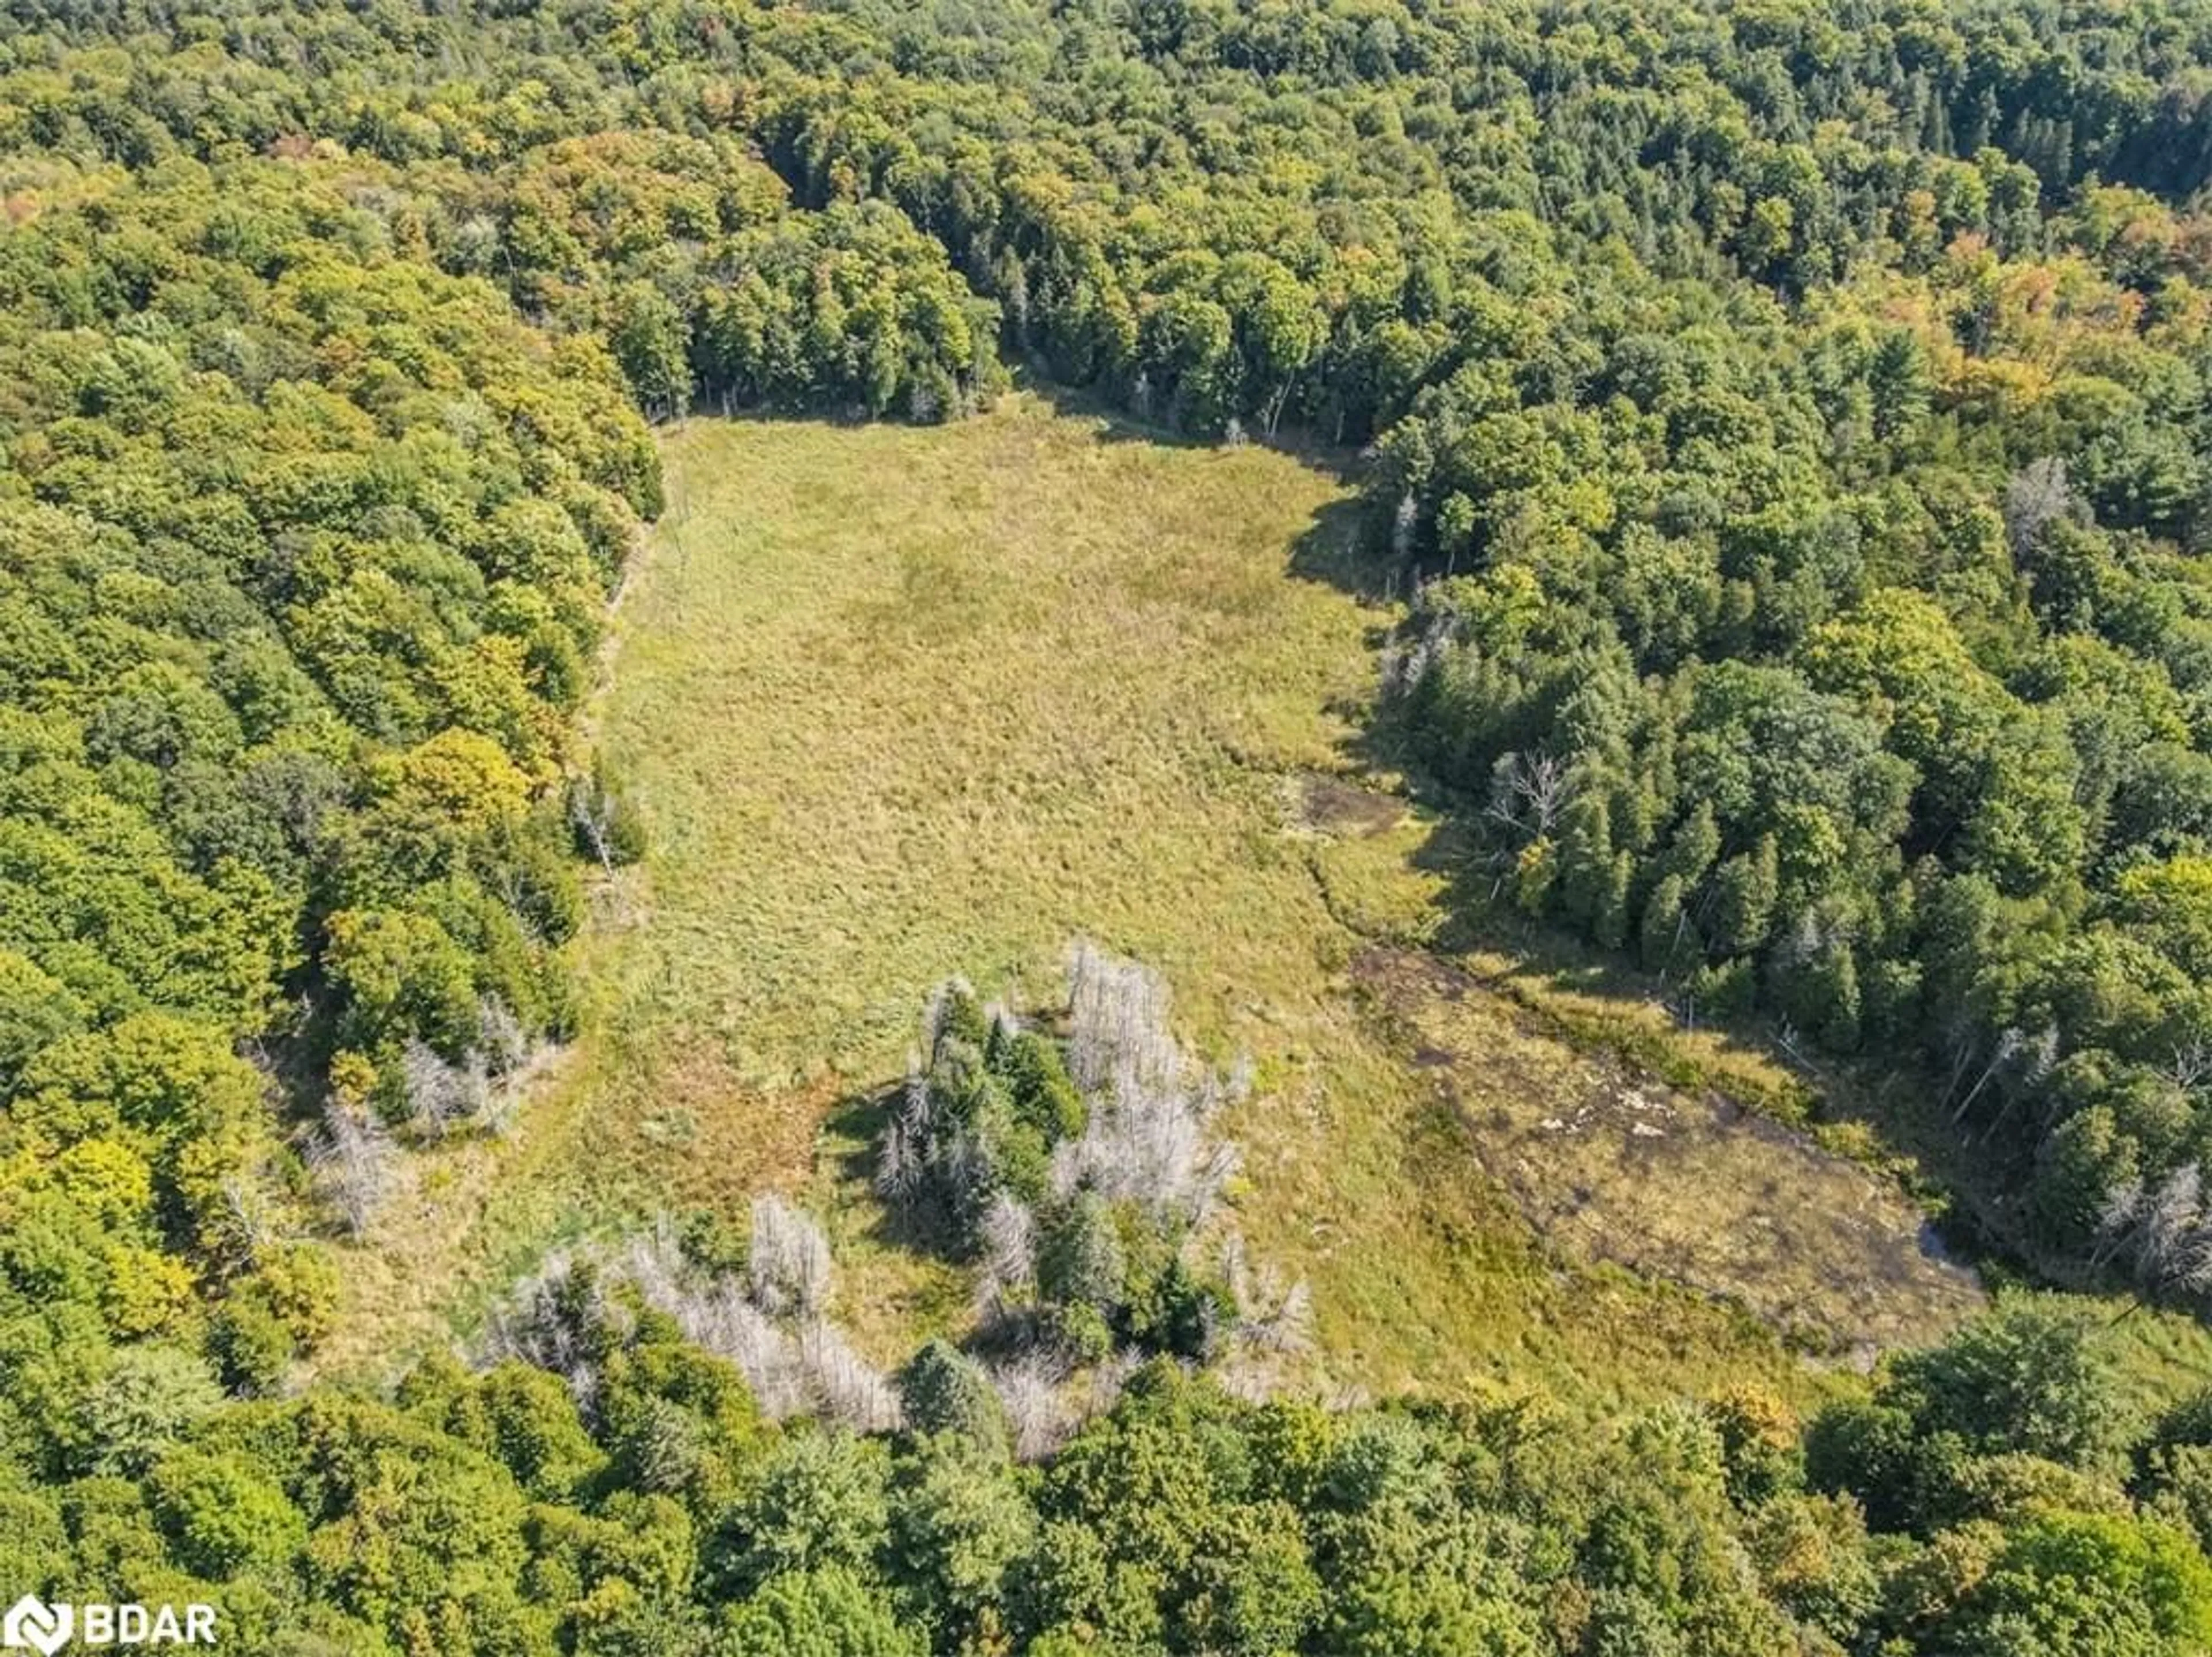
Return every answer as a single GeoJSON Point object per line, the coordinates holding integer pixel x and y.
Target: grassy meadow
{"type": "Point", "coordinates": [902, 703]}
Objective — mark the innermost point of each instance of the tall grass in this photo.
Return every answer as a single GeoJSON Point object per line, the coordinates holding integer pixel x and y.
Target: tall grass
{"type": "Point", "coordinates": [895, 703]}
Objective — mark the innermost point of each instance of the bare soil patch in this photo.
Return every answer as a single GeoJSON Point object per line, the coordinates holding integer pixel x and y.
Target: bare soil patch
{"type": "Point", "coordinates": [1337, 806]}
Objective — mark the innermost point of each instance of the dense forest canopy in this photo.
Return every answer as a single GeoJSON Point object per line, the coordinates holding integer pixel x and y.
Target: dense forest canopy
{"type": "Point", "coordinates": [1791, 419]}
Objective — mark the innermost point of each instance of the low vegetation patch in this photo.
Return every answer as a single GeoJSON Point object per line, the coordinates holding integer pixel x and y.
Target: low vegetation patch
{"type": "Point", "coordinates": [1687, 1184]}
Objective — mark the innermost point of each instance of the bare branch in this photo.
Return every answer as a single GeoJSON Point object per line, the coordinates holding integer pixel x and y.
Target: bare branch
{"type": "Point", "coordinates": [789, 1262]}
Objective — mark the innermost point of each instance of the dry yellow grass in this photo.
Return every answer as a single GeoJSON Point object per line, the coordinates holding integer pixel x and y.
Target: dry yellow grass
{"type": "Point", "coordinates": [898, 704]}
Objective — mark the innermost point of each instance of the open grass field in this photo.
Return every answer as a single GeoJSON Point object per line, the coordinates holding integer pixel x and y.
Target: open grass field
{"type": "Point", "coordinates": [899, 703]}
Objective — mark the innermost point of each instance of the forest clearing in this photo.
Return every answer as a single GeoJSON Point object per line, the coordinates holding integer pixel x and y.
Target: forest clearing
{"type": "Point", "coordinates": [898, 704]}
{"type": "Point", "coordinates": [973, 828]}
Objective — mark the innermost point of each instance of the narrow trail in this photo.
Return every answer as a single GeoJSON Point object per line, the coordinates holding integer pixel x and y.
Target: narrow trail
{"type": "Point", "coordinates": [403, 1276]}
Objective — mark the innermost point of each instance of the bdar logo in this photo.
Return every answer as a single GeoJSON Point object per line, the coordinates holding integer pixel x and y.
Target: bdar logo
{"type": "Point", "coordinates": [30, 1622]}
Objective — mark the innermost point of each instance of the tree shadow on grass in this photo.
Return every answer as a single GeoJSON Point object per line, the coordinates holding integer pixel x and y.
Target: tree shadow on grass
{"type": "Point", "coordinates": [1114, 424]}
{"type": "Point", "coordinates": [1333, 551]}
{"type": "Point", "coordinates": [1117, 424]}
{"type": "Point", "coordinates": [855, 1129]}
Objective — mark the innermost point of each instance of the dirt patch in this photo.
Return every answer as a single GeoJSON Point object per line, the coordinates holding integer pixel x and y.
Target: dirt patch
{"type": "Point", "coordinates": [1331, 805]}
{"type": "Point", "coordinates": [1612, 1165]}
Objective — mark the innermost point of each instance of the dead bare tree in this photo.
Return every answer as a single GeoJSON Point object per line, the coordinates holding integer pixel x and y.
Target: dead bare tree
{"type": "Point", "coordinates": [731, 1326]}
{"type": "Point", "coordinates": [841, 1386]}
{"type": "Point", "coordinates": [2191, 1065]}
{"type": "Point", "coordinates": [1431, 632]}
{"type": "Point", "coordinates": [1040, 1416]}
{"type": "Point", "coordinates": [556, 1319]}
{"type": "Point", "coordinates": [1009, 1237]}
{"type": "Point", "coordinates": [2010, 1042]}
{"type": "Point", "coordinates": [1271, 1316]}
{"type": "Point", "coordinates": [1146, 1140]}
{"type": "Point", "coordinates": [717, 1314]}
{"type": "Point", "coordinates": [1118, 1036]}
{"type": "Point", "coordinates": [902, 1159]}
{"type": "Point", "coordinates": [1529, 791]}
{"type": "Point", "coordinates": [441, 1095]}
{"type": "Point", "coordinates": [501, 1038]}
{"type": "Point", "coordinates": [591, 809]}
{"type": "Point", "coordinates": [788, 1264]}
{"type": "Point", "coordinates": [253, 1219]}
{"type": "Point", "coordinates": [1403, 522]}
{"type": "Point", "coordinates": [353, 1162]}
{"type": "Point", "coordinates": [2039, 495]}
{"type": "Point", "coordinates": [2032, 1060]}
{"type": "Point", "coordinates": [2116, 1222]}
{"type": "Point", "coordinates": [2163, 1231]}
